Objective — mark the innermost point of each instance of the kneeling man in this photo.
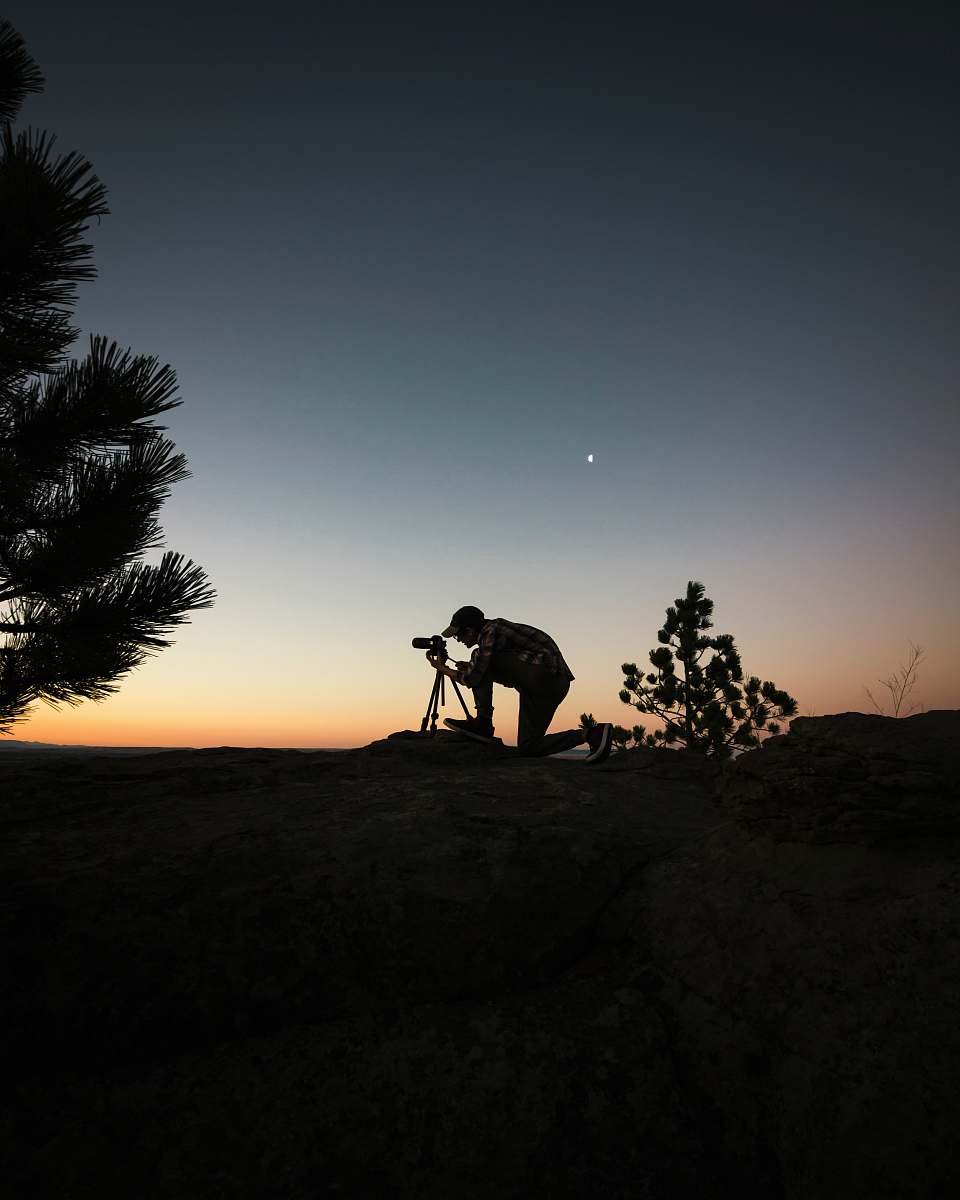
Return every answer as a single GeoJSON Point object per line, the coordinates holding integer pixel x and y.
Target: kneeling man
{"type": "Point", "coordinates": [521, 657]}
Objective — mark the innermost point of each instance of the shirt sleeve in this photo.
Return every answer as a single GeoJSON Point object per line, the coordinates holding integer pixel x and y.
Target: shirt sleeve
{"type": "Point", "coordinates": [470, 674]}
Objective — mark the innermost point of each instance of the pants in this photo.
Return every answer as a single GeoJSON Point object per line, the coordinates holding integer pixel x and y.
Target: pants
{"type": "Point", "coordinates": [541, 692]}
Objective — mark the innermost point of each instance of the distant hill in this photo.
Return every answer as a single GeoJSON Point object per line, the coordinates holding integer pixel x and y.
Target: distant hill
{"type": "Point", "coordinates": [15, 744]}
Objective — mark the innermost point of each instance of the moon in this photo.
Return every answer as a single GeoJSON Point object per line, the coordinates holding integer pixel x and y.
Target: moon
{"type": "Point", "coordinates": [589, 458]}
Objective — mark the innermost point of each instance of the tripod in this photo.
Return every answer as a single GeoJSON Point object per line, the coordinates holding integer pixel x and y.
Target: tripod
{"type": "Point", "coordinates": [438, 693]}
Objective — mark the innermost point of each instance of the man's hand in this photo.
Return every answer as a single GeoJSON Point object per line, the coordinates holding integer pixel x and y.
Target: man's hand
{"type": "Point", "coordinates": [437, 665]}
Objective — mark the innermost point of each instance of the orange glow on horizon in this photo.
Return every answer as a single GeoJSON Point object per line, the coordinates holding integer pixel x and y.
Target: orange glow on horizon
{"type": "Point", "coordinates": [112, 723]}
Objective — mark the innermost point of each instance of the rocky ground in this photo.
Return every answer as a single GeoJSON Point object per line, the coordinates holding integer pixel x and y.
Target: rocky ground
{"type": "Point", "coordinates": [431, 968]}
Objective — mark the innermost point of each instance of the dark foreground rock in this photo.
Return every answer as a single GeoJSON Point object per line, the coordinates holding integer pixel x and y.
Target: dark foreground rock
{"type": "Point", "coordinates": [431, 968]}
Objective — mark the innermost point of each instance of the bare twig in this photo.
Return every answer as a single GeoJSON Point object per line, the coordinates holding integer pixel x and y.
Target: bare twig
{"type": "Point", "coordinates": [900, 684]}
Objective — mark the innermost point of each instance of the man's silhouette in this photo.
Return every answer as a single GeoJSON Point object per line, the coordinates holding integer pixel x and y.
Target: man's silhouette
{"type": "Point", "coordinates": [521, 657]}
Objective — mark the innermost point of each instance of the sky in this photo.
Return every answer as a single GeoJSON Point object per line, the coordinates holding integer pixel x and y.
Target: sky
{"type": "Point", "coordinates": [412, 269]}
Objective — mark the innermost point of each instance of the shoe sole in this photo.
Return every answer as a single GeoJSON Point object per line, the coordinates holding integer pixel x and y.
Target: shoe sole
{"type": "Point", "coordinates": [477, 737]}
{"type": "Point", "coordinates": [602, 752]}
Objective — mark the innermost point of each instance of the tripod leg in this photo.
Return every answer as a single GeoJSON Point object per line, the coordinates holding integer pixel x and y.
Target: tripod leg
{"type": "Point", "coordinates": [432, 703]}
{"type": "Point", "coordinates": [460, 698]}
{"type": "Point", "coordinates": [441, 678]}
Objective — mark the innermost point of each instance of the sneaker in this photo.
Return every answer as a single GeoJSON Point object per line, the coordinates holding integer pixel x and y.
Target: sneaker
{"type": "Point", "coordinates": [472, 727]}
{"type": "Point", "coordinates": [600, 740]}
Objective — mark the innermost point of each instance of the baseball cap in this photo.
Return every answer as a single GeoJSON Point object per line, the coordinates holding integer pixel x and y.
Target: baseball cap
{"type": "Point", "coordinates": [467, 617]}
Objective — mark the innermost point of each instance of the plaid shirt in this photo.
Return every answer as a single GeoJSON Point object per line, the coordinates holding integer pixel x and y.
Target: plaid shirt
{"type": "Point", "coordinates": [531, 645]}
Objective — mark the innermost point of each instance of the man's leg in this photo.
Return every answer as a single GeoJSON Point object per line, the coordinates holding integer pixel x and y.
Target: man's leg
{"type": "Point", "coordinates": [541, 693]}
{"type": "Point", "coordinates": [481, 726]}
{"type": "Point", "coordinates": [536, 712]}
{"type": "Point", "coordinates": [483, 698]}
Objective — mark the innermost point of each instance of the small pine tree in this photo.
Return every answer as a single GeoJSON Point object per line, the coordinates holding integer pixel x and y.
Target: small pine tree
{"type": "Point", "coordinates": [83, 470]}
{"type": "Point", "coordinates": [705, 710]}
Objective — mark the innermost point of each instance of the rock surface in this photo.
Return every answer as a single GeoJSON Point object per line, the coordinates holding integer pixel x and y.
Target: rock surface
{"type": "Point", "coordinates": [432, 968]}
{"type": "Point", "coordinates": [853, 778]}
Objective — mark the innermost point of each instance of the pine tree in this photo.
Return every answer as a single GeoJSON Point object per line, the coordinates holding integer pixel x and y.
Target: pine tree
{"type": "Point", "coordinates": [84, 469]}
{"type": "Point", "coordinates": [705, 710]}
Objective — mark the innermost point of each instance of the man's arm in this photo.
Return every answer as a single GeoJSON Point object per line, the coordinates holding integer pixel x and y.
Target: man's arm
{"type": "Point", "coordinates": [470, 674]}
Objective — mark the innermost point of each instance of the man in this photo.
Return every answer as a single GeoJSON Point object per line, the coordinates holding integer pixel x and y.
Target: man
{"type": "Point", "coordinates": [521, 657]}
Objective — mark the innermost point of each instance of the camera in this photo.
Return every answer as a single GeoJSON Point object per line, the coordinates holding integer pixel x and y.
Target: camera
{"type": "Point", "coordinates": [436, 645]}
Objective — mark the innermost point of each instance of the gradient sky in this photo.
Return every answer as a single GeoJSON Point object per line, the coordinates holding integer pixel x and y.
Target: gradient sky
{"type": "Point", "coordinates": [412, 271]}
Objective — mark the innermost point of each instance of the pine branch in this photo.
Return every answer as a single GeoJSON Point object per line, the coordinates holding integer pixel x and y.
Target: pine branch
{"type": "Point", "coordinates": [19, 74]}
{"type": "Point", "coordinates": [63, 671]}
{"type": "Point", "coordinates": [654, 709]}
{"type": "Point", "coordinates": [95, 486]}
{"type": "Point", "coordinates": [138, 604]}
{"type": "Point", "coordinates": [103, 517]}
{"type": "Point", "coordinates": [46, 204]}
{"type": "Point", "coordinates": [30, 340]}
{"type": "Point", "coordinates": [79, 650]}
{"type": "Point", "coordinates": [89, 406]}
{"type": "Point", "coordinates": [14, 703]}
